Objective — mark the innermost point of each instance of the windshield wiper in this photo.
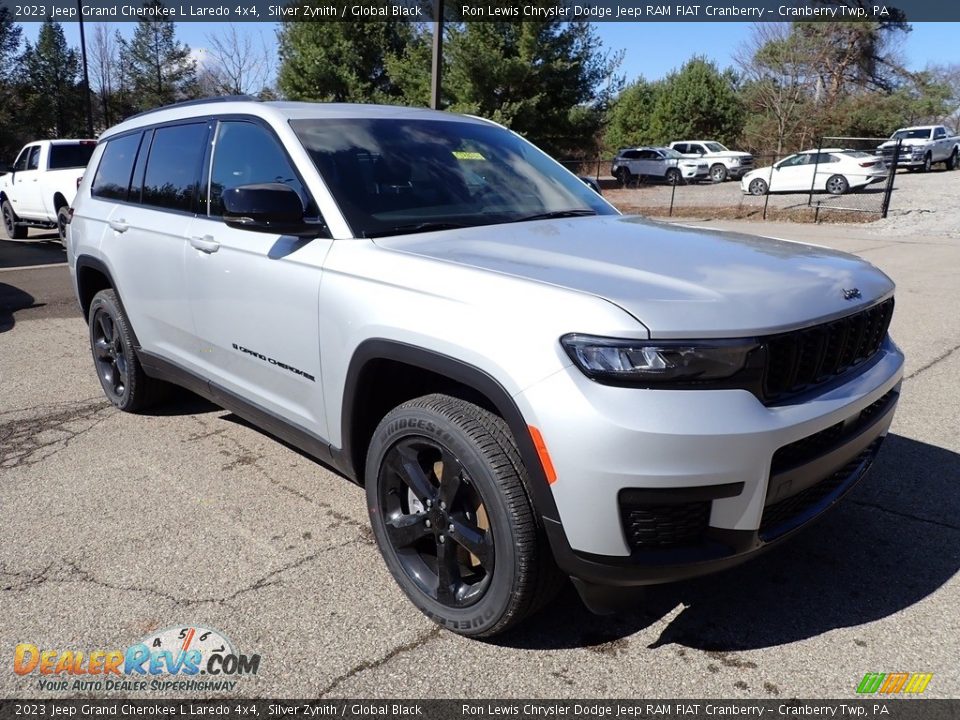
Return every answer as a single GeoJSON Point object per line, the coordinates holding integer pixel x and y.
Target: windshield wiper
{"type": "Point", "coordinates": [557, 214]}
{"type": "Point", "coordinates": [414, 228]}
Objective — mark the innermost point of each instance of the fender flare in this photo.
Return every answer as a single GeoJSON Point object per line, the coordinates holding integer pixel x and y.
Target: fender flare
{"type": "Point", "coordinates": [464, 374]}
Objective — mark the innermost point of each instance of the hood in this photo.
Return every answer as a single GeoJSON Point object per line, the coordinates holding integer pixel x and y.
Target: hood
{"type": "Point", "coordinates": [679, 282]}
{"type": "Point", "coordinates": [906, 142]}
{"type": "Point", "coordinates": [729, 154]}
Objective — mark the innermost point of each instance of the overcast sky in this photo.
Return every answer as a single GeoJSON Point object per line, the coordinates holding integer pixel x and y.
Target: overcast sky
{"type": "Point", "coordinates": [651, 49]}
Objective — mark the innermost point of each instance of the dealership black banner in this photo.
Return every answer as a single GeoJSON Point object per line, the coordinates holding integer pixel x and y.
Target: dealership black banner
{"type": "Point", "coordinates": [904, 709]}
{"type": "Point", "coordinates": [483, 10]}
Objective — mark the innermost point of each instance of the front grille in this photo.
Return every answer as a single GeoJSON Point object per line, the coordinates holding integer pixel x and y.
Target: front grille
{"type": "Point", "coordinates": [780, 517]}
{"type": "Point", "coordinates": [799, 360]}
{"type": "Point", "coordinates": [661, 527]}
{"type": "Point", "coordinates": [813, 446]}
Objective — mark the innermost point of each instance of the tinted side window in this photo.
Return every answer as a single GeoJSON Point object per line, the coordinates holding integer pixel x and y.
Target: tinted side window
{"type": "Point", "coordinates": [939, 133]}
{"type": "Point", "coordinates": [21, 163]}
{"type": "Point", "coordinates": [631, 155]}
{"type": "Point", "coordinates": [235, 163]}
{"type": "Point", "coordinates": [172, 178]}
{"type": "Point", "coordinates": [33, 162]}
{"type": "Point", "coordinates": [70, 156]}
{"type": "Point", "coordinates": [682, 148]}
{"type": "Point", "coordinates": [113, 174]}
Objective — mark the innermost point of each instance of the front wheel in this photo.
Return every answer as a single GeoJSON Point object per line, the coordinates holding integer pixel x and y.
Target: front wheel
{"type": "Point", "coordinates": [13, 230]}
{"type": "Point", "coordinates": [927, 163]}
{"type": "Point", "coordinates": [718, 173]}
{"type": "Point", "coordinates": [451, 516]}
{"type": "Point", "coordinates": [837, 185]}
{"type": "Point", "coordinates": [757, 187]}
{"type": "Point", "coordinates": [674, 177]}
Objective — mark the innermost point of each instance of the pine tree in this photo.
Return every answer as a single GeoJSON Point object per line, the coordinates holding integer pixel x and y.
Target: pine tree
{"type": "Point", "coordinates": [53, 95]}
{"type": "Point", "coordinates": [160, 68]}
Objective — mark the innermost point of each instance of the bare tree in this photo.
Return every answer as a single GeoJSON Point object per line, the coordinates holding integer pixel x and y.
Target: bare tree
{"type": "Point", "coordinates": [104, 58]}
{"type": "Point", "coordinates": [236, 63]}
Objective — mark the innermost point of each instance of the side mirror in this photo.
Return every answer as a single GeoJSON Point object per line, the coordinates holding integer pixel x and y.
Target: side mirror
{"type": "Point", "coordinates": [270, 208]}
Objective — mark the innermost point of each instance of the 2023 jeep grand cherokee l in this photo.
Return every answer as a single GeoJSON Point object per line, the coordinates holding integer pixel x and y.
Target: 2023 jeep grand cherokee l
{"type": "Point", "coordinates": [530, 385]}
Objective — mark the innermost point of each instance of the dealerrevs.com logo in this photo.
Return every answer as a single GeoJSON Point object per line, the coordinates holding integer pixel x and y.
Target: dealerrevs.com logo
{"type": "Point", "coordinates": [179, 659]}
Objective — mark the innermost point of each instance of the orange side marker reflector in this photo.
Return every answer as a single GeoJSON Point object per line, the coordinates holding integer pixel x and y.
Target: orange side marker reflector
{"type": "Point", "coordinates": [545, 460]}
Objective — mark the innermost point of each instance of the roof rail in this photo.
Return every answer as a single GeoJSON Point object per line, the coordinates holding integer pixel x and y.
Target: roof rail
{"type": "Point", "coordinates": [199, 101]}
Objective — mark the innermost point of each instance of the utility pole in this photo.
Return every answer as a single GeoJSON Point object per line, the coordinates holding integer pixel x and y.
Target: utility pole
{"type": "Point", "coordinates": [86, 75]}
{"type": "Point", "coordinates": [437, 70]}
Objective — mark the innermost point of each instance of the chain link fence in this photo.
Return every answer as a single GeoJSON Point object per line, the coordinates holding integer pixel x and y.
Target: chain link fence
{"type": "Point", "coordinates": [842, 179]}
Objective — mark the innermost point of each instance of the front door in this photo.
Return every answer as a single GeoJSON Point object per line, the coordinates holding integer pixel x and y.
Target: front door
{"type": "Point", "coordinates": [254, 296]}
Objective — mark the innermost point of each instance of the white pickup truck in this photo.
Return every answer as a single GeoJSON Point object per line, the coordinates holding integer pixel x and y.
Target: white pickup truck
{"type": "Point", "coordinates": [38, 189]}
{"type": "Point", "coordinates": [922, 146]}
{"type": "Point", "coordinates": [724, 163]}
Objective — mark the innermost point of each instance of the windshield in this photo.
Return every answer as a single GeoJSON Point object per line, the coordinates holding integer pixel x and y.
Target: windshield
{"type": "Point", "coordinates": [918, 134]}
{"type": "Point", "coordinates": [715, 147]}
{"type": "Point", "coordinates": [395, 176]}
{"type": "Point", "coordinates": [671, 153]}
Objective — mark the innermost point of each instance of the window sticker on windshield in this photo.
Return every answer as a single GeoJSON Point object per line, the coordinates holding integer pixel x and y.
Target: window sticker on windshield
{"type": "Point", "coordinates": [467, 155]}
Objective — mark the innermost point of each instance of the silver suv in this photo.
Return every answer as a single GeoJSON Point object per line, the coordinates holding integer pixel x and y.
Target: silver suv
{"type": "Point", "coordinates": [529, 385]}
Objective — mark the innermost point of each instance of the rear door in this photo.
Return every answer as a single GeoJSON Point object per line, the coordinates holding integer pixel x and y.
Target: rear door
{"type": "Point", "coordinates": [146, 239]}
{"type": "Point", "coordinates": [254, 296]}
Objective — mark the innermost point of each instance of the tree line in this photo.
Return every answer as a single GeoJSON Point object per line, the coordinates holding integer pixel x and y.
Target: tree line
{"type": "Point", "coordinates": [550, 81]}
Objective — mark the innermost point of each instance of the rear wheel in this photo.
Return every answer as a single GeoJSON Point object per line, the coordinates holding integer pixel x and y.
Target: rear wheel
{"type": "Point", "coordinates": [118, 368]}
{"type": "Point", "coordinates": [623, 176]}
{"type": "Point", "coordinates": [837, 185]}
{"type": "Point", "coordinates": [718, 173]}
{"type": "Point", "coordinates": [674, 177]}
{"type": "Point", "coordinates": [14, 231]}
{"type": "Point", "coordinates": [63, 219]}
{"type": "Point", "coordinates": [952, 160]}
{"type": "Point", "coordinates": [758, 187]}
{"type": "Point", "coordinates": [450, 514]}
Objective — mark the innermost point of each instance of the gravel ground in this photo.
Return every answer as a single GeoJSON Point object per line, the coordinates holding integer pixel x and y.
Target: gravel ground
{"type": "Point", "coordinates": [922, 204]}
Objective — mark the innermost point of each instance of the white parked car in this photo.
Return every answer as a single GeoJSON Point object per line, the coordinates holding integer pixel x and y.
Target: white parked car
{"type": "Point", "coordinates": [657, 163]}
{"type": "Point", "coordinates": [724, 163]}
{"type": "Point", "coordinates": [40, 185]}
{"type": "Point", "coordinates": [833, 170]}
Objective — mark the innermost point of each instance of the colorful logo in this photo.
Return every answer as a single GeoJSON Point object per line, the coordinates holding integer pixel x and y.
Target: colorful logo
{"type": "Point", "coordinates": [181, 651]}
{"type": "Point", "coordinates": [893, 683]}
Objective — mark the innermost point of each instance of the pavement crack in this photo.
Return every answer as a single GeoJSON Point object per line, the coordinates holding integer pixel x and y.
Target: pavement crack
{"type": "Point", "coordinates": [29, 441]}
{"type": "Point", "coordinates": [417, 642]}
{"type": "Point", "coordinates": [900, 513]}
{"type": "Point", "coordinates": [940, 358]}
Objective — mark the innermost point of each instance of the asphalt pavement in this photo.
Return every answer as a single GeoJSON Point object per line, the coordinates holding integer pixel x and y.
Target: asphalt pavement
{"type": "Point", "coordinates": [114, 527]}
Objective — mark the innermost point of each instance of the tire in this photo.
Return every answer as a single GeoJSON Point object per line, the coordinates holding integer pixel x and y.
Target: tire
{"type": "Point", "coordinates": [758, 186]}
{"type": "Point", "coordinates": [673, 177]}
{"type": "Point", "coordinates": [437, 463]}
{"type": "Point", "coordinates": [837, 185]}
{"type": "Point", "coordinates": [927, 163]}
{"type": "Point", "coordinates": [623, 176]}
{"type": "Point", "coordinates": [118, 368]}
{"type": "Point", "coordinates": [14, 231]}
{"type": "Point", "coordinates": [952, 160]}
{"type": "Point", "coordinates": [718, 173]}
{"type": "Point", "coordinates": [63, 219]}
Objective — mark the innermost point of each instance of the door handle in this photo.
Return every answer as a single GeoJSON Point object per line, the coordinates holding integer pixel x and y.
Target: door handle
{"type": "Point", "coordinates": [205, 244]}
{"type": "Point", "coordinates": [119, 226]}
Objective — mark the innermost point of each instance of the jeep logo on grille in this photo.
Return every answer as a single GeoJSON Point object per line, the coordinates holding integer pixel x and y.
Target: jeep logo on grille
{"type": "Point", "coordinates": [851, 294]}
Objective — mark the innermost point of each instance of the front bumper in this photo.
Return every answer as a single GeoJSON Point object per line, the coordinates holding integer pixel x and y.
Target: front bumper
{"type": "Point", "coordinates": [683, 457]}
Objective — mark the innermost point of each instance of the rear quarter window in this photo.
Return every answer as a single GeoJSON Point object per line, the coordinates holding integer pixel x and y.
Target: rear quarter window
{"type": "Point", "coordinates": [112, 180]}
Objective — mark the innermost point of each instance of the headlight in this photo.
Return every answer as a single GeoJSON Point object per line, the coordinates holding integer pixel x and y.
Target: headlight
{"type": "Point", "coordinates": [643, 362]}
{"type": "Point", "coordinates": [734, 161]}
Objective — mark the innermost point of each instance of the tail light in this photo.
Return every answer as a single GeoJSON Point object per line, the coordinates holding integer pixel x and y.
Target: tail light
{"type": "Point", "coordinates": [869, 164]}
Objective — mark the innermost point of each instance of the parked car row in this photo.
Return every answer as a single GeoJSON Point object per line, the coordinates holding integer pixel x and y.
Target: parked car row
{"type": "Point", "coordinates": [682, 161]}
{"type": "Point", "coordinates": [921, 146]}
